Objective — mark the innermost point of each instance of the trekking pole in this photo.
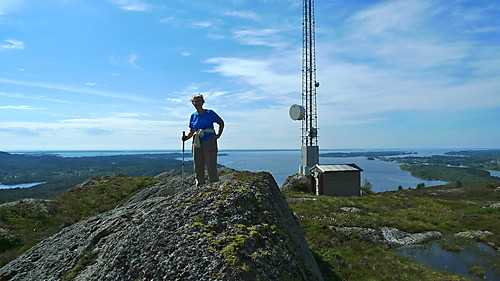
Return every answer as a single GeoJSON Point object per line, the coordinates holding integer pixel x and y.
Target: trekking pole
{"type": "Point", "coordinates": [183, 135]}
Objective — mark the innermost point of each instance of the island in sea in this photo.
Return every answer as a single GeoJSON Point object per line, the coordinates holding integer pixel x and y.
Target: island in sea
{"type": "Point", "coordinates": [369, 154]}
{"type": "Point", "coordinates": [350, 238]}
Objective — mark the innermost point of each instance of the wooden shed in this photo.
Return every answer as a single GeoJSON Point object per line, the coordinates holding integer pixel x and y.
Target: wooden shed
{"type": "Point", "coordinates": [336, 180]}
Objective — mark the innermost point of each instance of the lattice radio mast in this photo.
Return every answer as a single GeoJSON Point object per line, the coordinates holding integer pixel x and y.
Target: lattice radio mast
{"type": "Point", "coordinates": [307, 111]}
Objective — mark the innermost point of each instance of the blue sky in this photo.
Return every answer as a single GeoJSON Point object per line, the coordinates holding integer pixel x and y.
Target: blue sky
{"type": "Point", "coordinates": [118, 74]}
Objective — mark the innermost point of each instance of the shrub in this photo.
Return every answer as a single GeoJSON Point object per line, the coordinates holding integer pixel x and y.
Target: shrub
{"type": "Point", "coordinates": [300, 186]}
{"type": "Point", "coordinates": [367, 187]}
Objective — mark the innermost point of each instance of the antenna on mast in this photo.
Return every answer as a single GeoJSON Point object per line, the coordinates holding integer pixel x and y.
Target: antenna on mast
{"type": "Point", "coordinates": [307, 111]}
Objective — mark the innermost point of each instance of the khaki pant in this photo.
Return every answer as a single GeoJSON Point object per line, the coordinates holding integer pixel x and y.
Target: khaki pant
{"type": "Point", "coordinates": [205, 155]}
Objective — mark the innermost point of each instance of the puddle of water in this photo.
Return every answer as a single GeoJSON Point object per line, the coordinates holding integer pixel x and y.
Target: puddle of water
{"type": "Point", "coordinates": [468, 255]}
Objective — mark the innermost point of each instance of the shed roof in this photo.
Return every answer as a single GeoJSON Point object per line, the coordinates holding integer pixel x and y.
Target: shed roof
{"type": "Point", "coordinates": [337, 168]}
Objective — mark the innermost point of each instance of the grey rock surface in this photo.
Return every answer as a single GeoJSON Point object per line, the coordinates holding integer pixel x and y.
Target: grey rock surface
{"type": "Point", "coordinates": [473, 234]}
{"type": "Point", "coordinates": [392, 237]}
{"type": "Point", "coordinates": [237, 229]}
{"type": "Point", "coordinates": [300, 200]}
{"type": "Point", "coordinates": [26, 201]}
{"type": "Point", "coordinates": [494, 205]}
{"type": "Point", "coordinates": [353, 210]}
{"type": "Point", "coordinates": [297, 178]}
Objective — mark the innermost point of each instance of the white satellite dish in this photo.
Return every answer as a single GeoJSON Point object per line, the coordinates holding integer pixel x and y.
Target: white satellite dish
{"type": "Point", "coordinates": [297, 112]}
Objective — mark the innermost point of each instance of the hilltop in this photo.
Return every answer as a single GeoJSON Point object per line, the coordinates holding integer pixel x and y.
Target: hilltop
{"type": "Point", "coordinates": [237, 229]}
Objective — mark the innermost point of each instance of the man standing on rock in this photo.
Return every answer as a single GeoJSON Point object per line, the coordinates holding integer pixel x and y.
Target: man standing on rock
{"type": "Point", "coordinates": [204, 146]}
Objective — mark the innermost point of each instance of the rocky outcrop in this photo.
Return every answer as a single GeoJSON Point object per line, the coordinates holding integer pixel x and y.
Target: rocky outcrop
{"type": "Point", "coordinates": [392, 237]}
{"type": "Point", "coordinates": [237, 229]}
{"type": "Point", "coordinates": [297, 182]}
{"type": "Point", "coordinates": [473, 234]}
{"type": "Point", "coordinates": [26, 201]}
{"type": "Point", "coordinates": [300, 199]}
{"type": "Point", "coordinates": [493, 205]}
{"type": "Point", "coordinates": [352, 210]}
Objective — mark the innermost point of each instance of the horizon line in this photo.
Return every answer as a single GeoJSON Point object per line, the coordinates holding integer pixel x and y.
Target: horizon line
{"type": "Point", "coordinates": [241, 149]}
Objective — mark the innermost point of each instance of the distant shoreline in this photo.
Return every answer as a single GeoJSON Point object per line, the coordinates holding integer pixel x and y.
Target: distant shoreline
{"type": "Point", "coordinates": [344, 150]}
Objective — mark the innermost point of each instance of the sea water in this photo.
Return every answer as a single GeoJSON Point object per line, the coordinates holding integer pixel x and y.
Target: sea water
{"type": "Point", "coordinates": [494, 173]}
{"type": "Point", "coordinates": [384, 176]}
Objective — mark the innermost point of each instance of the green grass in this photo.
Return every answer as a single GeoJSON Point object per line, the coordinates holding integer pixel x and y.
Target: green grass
{"type": "Point", "coordinates": [355, 258]}
{"type": "Point", "coordinates": [24, 225]}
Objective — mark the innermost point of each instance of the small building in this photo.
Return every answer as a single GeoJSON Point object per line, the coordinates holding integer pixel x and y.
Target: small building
{"type": "Point", "coordinates": [336, 180]}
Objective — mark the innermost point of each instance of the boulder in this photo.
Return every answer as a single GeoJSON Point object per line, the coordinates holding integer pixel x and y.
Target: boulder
{"type": "Point", "coordinates": [473, 234]}
{"type": "Point", "coordinates": [392, 237]}
{"type": "Point", "coordinates": [493, 205]}
{"type": "Point", "coordinates": [237, 229]}
{"type": "Point", "coordinates": [353, 210]}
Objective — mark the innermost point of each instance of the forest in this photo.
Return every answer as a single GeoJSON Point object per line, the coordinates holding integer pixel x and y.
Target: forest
{"type": "Point", "coordinates": [60, 173]}
{"type": "Point", "coordinates": [459, 167]}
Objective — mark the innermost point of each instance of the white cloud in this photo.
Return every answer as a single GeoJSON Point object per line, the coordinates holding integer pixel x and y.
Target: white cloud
{"type": "Point", "coordinates": [260, 37]}
{"type": "Point", "coordinates": [390, 16]}
{"type": "Point", "coordinates": [407, 40]}
{"type": "Point", "coordinates": [88, 91]}
{"type": "Point", "coordinates": [185, 54]}
{"type": "Point", "coordinates": [23, 132]}
{"type": "Point", "coordinates": [243, 14]}
{"type": "Point", "coordinates": [128, 114]}
{"type": "Point", "coordinates": [267, 79]}
{"type": "Point", "coordinates": [12, 44]}
{"type": "Point", "coordinates": [19, 107]}
{"type": "Point", "coordinates": [398, 33]}
{"type": "Point", "coordinates": [96, 133]}
{"type": "Point", "coordinates": [354, 93]}
{"type": "Point", "coordinates": [115, 123]}
{"type": "Point", "coordinates": [176, 100]}
{"type": "Point", "coordinates": [9, 5]}
{"type": "Point", "coordinates": [484, 29]}
{"type": "Point", "coordinates": [167, 20]}
{"type": "Point", "coordinates": [475, 13]}
{"type": "Point", "coordinates": [412, 54]}
{"type": "Point", "coordinates": [193, 89]}
{"type": "Point", "coordinates": [132, 5]}
{"type": "Point", "coordinates": [132, 58]}
{"type": "Point", "coordinates": [279, 130]}
{"type": "Point", "coordinates": [216, 36]}
{"type": "Point", "coordinates": [38, 97]}
{"type": "Point", "coordinates": [125, 61]}
{"type": "Point", "coordinates": [357, 94]}
{"type": "Point", "coordinates": [203, 24]}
